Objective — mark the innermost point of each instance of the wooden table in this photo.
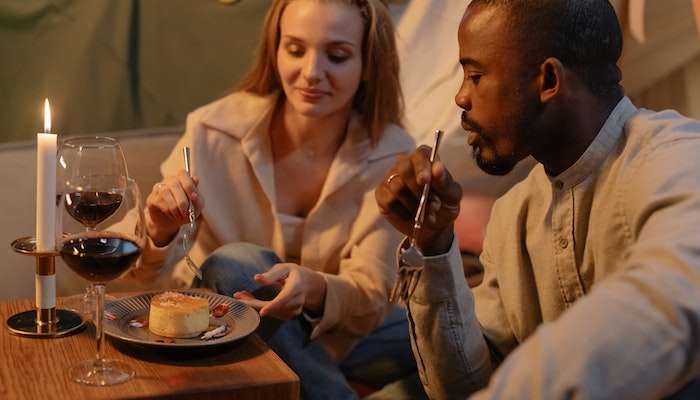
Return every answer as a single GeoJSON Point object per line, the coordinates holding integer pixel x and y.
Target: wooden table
{"type": "Point", "coordinates": [38, 368]}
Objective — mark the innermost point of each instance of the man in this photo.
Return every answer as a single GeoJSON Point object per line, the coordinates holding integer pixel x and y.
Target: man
{"type": "Point", "coordinates": [430, 75]}
{"type": "Point", "coordinates": [592, 264]}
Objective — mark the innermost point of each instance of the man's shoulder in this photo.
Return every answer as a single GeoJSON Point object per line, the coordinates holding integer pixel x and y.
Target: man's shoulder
{"type": "Point", "coordinates": [658, 146]}
{"type": "Point", "coordinates": [660, 153]}
{"type": "Point", "coordinates": [656, 129]}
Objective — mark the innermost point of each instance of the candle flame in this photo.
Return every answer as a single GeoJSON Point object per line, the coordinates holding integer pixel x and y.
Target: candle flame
{"type": "Point", "coordinates": [47, 116]}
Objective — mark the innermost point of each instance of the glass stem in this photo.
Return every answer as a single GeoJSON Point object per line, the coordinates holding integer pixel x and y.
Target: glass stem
{"type": "Point", "coordinates": [90, 300]}
{"type": "Point", "coordinates": [99, 321]}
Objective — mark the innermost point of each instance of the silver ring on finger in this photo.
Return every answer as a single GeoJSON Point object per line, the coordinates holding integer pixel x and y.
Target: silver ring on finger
{"type": "Point", "coordinates": [159, 186]}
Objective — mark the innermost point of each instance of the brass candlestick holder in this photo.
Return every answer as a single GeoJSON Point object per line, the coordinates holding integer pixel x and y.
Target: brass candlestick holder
{"type": "Point", "coordinates": [46, 321]}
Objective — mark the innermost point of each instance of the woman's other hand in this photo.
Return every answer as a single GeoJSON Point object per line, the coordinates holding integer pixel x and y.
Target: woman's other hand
{"type": "Point", "coordinates": [301, 289]}
{"type": "Point", "coordinates": [167, 205]}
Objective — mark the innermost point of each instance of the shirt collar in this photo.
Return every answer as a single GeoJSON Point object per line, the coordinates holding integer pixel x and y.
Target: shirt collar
{"type": "Point", "coordinates": [601, 147]}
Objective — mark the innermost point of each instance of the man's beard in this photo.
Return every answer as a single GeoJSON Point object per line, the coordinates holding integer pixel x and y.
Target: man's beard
{"type": "Point", "coordinates": [524, 126]}
{"type": "Point", "coordinates": [498, 166]}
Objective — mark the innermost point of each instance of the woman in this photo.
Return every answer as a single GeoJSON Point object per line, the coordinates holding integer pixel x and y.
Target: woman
{"type": "Point", "coordinates": [287, 166]}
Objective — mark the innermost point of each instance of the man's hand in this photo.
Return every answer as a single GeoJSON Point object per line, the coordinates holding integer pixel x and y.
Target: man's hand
{"type": "Point", "coordinates": [398, 197]}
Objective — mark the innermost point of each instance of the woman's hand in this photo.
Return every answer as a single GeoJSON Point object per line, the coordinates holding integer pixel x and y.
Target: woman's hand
{"type": "Point", "coordinates": [398, 197]}
{"type": "Point", "coordinates": [302, 288]}
{"type": "Point", "coordinates": [167, 206]}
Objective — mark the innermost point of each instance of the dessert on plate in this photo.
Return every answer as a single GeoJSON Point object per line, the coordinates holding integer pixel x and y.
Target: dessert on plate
{"type": "Point", "coordinates": [178, 315]}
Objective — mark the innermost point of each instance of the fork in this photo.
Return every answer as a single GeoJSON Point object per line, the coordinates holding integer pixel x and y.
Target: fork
{"type": "Point", "coordinates": [190, 228]}
{"type": "Point", "coordinates": [411, 259]}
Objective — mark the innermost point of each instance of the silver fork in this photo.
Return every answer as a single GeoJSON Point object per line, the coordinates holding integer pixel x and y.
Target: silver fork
{"type": "Point", "coordinates": [411, 259]}
{"type": "Point", "coordinates": [190, 228]}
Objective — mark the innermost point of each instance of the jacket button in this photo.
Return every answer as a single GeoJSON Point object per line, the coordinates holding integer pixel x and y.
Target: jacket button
{"type": "Point", "coordinates": [563, 243]}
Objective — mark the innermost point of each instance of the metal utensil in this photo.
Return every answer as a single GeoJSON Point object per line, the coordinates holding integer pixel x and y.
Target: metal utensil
{"type": "Point", "coordinates": [411, 259]}
{"type": "Point", "coordinates": [189, 229]}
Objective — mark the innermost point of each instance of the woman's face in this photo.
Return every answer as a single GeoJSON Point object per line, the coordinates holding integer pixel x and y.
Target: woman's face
{"type": "Point", "coordinates": [319, 58]}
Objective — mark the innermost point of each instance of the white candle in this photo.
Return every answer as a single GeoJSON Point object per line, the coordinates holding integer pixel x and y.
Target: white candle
{"type": "Point", "coordinates": [46, 185]}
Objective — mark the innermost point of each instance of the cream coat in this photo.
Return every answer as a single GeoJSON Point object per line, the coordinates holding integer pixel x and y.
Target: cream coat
{"type": "Point", "coordinates": [345, 237]}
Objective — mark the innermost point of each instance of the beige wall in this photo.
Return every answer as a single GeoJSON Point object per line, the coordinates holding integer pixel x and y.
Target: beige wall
{"type": "Point", "coordinates": [664, 71]}
{"type": "Point", "coordinates": [679, 90]}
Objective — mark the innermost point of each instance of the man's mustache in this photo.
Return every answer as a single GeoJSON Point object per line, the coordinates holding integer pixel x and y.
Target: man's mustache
{"type": "Point", "coordinates": [468, 124]}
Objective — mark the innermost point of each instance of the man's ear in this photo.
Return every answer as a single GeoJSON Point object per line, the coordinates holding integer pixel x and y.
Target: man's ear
{"type": "Point", "coordinates": [550, 79]}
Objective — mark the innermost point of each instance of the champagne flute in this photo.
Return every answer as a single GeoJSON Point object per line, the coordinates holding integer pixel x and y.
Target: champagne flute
{"type": "Point", "coordinates": [101, 254]}
{"type": "Point", "coordinates": [91, 172]}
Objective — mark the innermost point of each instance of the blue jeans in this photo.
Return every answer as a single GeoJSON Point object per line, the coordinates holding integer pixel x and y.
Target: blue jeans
{"type": "Point", "coordinates": [382, 357]}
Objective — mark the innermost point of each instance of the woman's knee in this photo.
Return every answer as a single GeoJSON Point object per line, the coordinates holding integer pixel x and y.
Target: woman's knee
{"type": "Point", "coordinates": [236, 264]}
{"type": "Point", "coordinates": [246, 254]}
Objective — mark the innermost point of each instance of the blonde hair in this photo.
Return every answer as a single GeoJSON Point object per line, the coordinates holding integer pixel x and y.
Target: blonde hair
{"type": "Point", "coordinates": [378, 99]}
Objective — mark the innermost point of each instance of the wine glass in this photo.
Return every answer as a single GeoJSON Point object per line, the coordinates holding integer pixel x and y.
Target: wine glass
{"type": "Point", "coordinates": [91, 169]}
{"type": "Point", "coordinates": [100, 254]}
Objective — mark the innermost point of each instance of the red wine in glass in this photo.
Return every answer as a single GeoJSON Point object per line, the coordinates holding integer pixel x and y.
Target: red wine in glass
{"type": "Point", "coordinates": [91, 208]}
{"type": "Point", "coordinates": [101, 258]}
{"type": "Point", "coordinates": [102, 237]}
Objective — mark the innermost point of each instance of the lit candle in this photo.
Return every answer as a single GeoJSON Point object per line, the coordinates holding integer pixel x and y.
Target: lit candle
{"type": "Point", "coordinates": [45, 285]}
{"type": "Point", "coordinates": [46, 185]}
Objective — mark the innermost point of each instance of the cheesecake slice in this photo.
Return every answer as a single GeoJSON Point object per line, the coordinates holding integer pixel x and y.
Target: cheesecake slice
{"type": "Point", "coordinates": [178, 315]}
